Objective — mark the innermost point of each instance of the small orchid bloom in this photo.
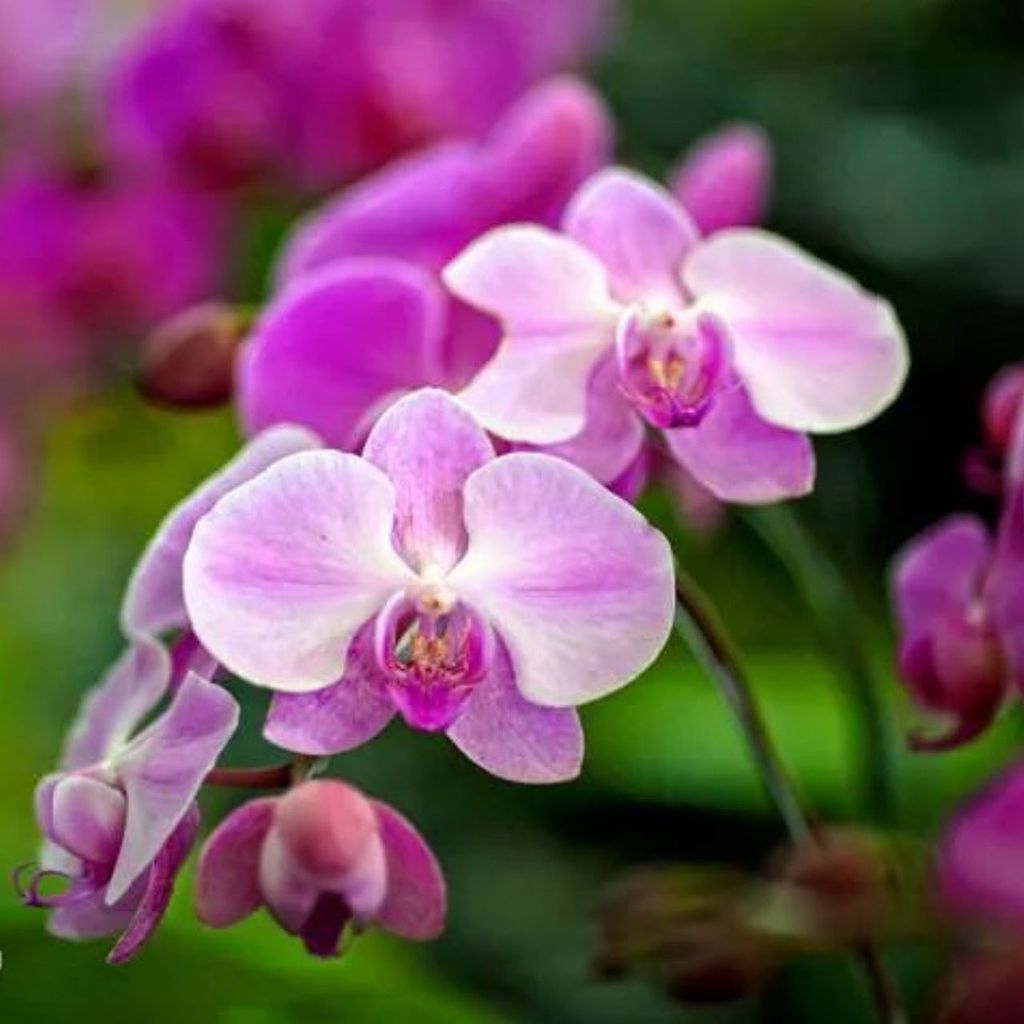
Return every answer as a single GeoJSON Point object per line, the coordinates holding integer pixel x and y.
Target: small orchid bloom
{"type": "Point", "coordinates": [320, 858]}
{"type": "Point", "coordinates": [120, 816]}
{"type": "Point", "coordinates": [723, 182]}
{"type": "Point", "coordinates": [977, 869]}
{"type": "Point", "coordinates": [735, 346]}
{"type": "Point", "coordinates": [360, 318]}
{"type": "Point", "coordinates": [1000, 460]}
{"type": "Point", "coordinates": [479, 596]}
{"type": "Point", "coordinates": [959, 602]}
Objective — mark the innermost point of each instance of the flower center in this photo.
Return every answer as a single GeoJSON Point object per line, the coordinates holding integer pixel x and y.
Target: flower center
{"type": "Point", "coordinates": [672, 363]}
{"type": "Point", "coordinates": [433, 651]}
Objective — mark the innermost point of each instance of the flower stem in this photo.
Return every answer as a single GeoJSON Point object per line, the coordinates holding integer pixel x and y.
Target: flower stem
{"type": "Point", "coordinates": [699, 625]}
{"type": "Point", "coordinates": [829, 601]}
{"type": "Point", "coordinates": [276, 776]}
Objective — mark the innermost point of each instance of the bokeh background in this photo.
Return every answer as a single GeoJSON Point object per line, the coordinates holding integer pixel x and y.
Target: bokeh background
{"type": "Point", "coordinates": [898, 127]}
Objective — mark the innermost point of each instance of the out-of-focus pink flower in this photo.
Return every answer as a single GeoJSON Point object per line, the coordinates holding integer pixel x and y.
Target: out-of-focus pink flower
{"type": "Point", "coordinates": [113, 255]}
{"type": "Point", "coordinates": [234, 89]}
{"type": "Point", "coordinates": [361, 318]}
{"type": "Point", "coordinates": [959, 600]}
{"type": "Point", "coordinates": [120, 816]}
{"type": "Point", "coordinates": [321, 858]}
{"type": "Point", "coordinates": [978, 862]}
{"type": "Point", "coordinates": [41, 45]}
{"type": "Point", "coordinates": [736, 346]}
{"type": "Point", "coordinates": [1001, 406]}
{"type": "Point", "coordinates": [480, 596]}
{"type": "Point", "coordinates": [724, 180]}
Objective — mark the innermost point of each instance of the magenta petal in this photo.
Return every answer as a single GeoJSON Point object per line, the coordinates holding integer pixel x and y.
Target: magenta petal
{"type": "Point", "coordinates": [739, 457]}
{"type": "Point", "coordinates": [228, 876]}
{"type": "Point", "coordinates": [162, 771]}
{"type": "Point", "coordinates": [551, 296]}
{"type": "Point", "coordinates": [336, 718]}
{"type": "Point", "coordinates": [112, 710]}
{"type": "Point", "coordinates": [415, 906]}
{"type": "Point", "coordinates": [428, 445]}
{"type": "Point", "coordinates": [337, 344]}
{"type": "Point", "coordinates": [91, 918]}
{"type": "Point", "coordinates": [575, 581]}
{"type": "Point", "coordinates": [978, 865]}
{"type": "Point", "coordinates": [506, 735]}
{"type": "Point", "coordinates": [153, 602]}
{"type": "Point", "coordinates": [637, 230]}
{"type": "Point", "coordinates": [939, 572]}
{"type": "Point", "coordinates": [423, 209]}
{"type": "Point", "coordinates": [613, 435]}
{"type": "Point", "coordinates": [283, 573]}
{"type": "Point", "coordinates": [816, 352]}
{"type": "Point", "coordinates": [1004, 592]}
{"type": "Point", "coordinates": [723, 181]}
{"type": "Point", "coordinates": [159, 889]}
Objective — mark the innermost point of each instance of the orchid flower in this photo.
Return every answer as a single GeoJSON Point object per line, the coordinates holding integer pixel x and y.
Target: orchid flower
{"type": "Point", "coordinates": [736, 346]}
{"type": "Point", "coordinates": [360, 317]}
{"type": "Point", "coordinates": [320, 858]}
{"type": "Point", "coordinates": [119, 817]}
{"type": "Point", "coordinates": [477, 595]}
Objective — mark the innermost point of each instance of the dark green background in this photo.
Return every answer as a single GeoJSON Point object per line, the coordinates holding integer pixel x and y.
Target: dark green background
{"type": "Point", "coordinates": [899, 128]}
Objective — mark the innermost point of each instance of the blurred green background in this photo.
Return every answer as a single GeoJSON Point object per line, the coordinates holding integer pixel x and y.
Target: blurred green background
{"type": "Point", "coordinates": [899, 132]}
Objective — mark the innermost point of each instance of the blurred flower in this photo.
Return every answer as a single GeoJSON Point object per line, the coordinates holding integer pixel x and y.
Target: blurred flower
{"type": "Point", "coordinates": [726, 343]}
{"type": "Point", "coordinates": [120, 816]}
{"type": "Point", "coordinates": [1002, 452]}
{"type": "Point", "coordinates": [472, 594]}
{"type": "Point", "coordinates": [978, 861]}
{"type": "Point", "coordinates": [724, 180]}
{"type": "Point", "coordinates": [320, 858]}
{"type": "Point", "coordinates": [960, 613]}
{"type": "Point", "coordinates": [39, 47]}
{"type": "Point", "coordinates": [229, 90]}
{"type": "Point", "coordinates": [361, 317]}
{"type": "Point", "coordinates": [114, 255]}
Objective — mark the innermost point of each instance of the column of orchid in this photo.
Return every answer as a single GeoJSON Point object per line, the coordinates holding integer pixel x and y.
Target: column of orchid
{"type": "Point", "coordinates": [461, 381]}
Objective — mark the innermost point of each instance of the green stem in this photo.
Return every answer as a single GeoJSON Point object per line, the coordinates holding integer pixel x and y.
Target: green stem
{"type": "Point", "coordinates": [833, 608]}
{"type": "Point", "coordinates": [701, 628]}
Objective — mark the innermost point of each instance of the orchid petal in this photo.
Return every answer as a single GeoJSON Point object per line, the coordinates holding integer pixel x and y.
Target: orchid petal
{"type": "Point", "coordinates": [552, 298]}
{"type": "Point", "coordinates": [637, 230]}
{"type": "Point", "coordinates": [513, 739]}
{"type": "Point", "coordinates": [427, 445]}
{"type": "Point", "coordinates": [739, 457]}
{"type": "Point", "coordinates": [723, 181]}
{"type": "Point", "coordinates": [1004, 591]}
{"type": "Point", "coordinates": [153, 602]}
{"type": "Point", "coordinates": [87, 818]}
{"type": "Point", "coordinates": [159, 889]}
{"type": "Point", "coordinates": [282, 574]}
{"type": "Point", "coordinates": [612, 437]}
{"type": "Point", "coordinates": [575, 581]}
{"type": "Point", "coordinates": [163, 770]}
{"type": "Point", "coordinates": [816, 352]}
{"type": "Point", "coordinates": [339, 717]}
{"type": "Point", "coordinates": [228, 876]}
{"type": "Point", "coordinates": [339, 343]}
{"type": "Point", "coordinates": [416, 902]}
{"type": "Point", "coordinates": [112, 710]}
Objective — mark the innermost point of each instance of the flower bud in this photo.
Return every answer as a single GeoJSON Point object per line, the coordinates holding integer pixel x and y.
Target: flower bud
{"type": "Point", "coordinates": [1000, 405]}
{"type": "Point", "coordinates": [189, 361]}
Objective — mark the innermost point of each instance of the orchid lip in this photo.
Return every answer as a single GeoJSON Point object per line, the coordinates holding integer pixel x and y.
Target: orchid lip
{"type": "Point", "coordinates": [433, 651]}
{"type": "Point", "coordinates": [672, 364]}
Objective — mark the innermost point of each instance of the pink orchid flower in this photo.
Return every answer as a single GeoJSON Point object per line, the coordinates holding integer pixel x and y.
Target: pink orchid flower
{"type": "Point", "coordinates": [120, 817]}
{"type": "Point", "coordinates": [736, 346]}
{"type": "Point", "coordinates": [477, 595]}
{"type": "Point", "coordinates": [320, 858]}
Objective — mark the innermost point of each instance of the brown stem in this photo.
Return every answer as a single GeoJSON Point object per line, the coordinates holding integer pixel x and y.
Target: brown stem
{"type": "Point", "coordinates": [276, 776]}
{"type": "Point", "coordinates": [701, 628]}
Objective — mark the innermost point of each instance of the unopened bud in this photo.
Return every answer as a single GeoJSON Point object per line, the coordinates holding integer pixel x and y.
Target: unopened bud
{"type": "Point", "coordinates": [189, 361]}
{"type": "Point", "coordinates": [1000, 405]}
